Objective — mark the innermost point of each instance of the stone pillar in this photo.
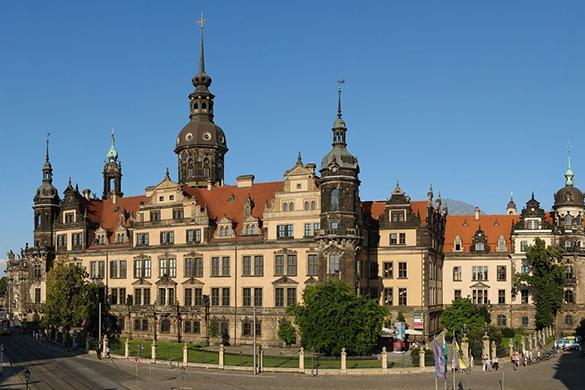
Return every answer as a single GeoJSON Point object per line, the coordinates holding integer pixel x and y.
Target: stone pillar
{"type": "Point", "coordinates": [522, 345]}
{"type": "Point", "coordinates": [185, 354]}
{"type": "Point", "coordinates": [260, 360]}
{"type": "Point", "coordinates": [302, 359]}
{"type": "Point", "coordinates": [153, 352]}
{"type": "Point", "coordinates": [384, 358]}
{"type": "Point", "coordinates": [511, 347]}
{"type": "Point", "coordinates": [127, 348]}
{"type": "Point", "coordinates": [485, 351]}
{"type": "Point", "coordinates": [221, 352]}
{"type": "Point", "coordinates": [343, 360]}
{"type": "Point", "coordinates": [105, 347]}
{"type": "Point", "coordinates": [494, 350]}
{"type": "Point", "coordinates": [530, 344]}
{"type": "Point", "coordinates": [465, 348]}
{"type": "Point", "coordinates": [421, 357]}
{"type": "Point", "coordinates": [535, 341]}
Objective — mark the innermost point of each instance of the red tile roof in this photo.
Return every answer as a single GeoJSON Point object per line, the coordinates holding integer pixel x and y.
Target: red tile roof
{"type": "Point", "coordinates": [465, 226]}
{"type": "Point", "coordinates": [376, 208]}
{"type": "Point", "coordinates": [106, 213]}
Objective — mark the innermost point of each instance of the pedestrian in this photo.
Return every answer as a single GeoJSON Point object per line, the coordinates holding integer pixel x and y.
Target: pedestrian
{"type": "Point", "coordinates": [108, 352]}
{"type": "Point", "coordinates": [489, 363]}
{"type": "Point", "coordinates": [496, 363]}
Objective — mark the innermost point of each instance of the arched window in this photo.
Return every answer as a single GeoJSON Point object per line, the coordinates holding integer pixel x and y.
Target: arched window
{"type": "Point", "coordinates": [307, 205]}
{"type": "Point", "coordinates": [335, 199]}
{"type": "Point", "coordinates": [568, 220]}
{"type": "Point", "coordinates": [203, 106]}
{"type": "Point", "coordinates": [568, 244]}
{"type": "Point", "coordinates": [291, 206]}
{"type": "Point", "coordinates": [569, 296]}
{"type": "Point", "coordinates": [501, 320]}
{"type": "Point", "coordinates": [569, 320]}
{"type": "Point", "coordinates": [313, 205]}
{"type": "Point", "coordinates": [285, 206]}
{"type": "Point", "coordinates": [195, 106]}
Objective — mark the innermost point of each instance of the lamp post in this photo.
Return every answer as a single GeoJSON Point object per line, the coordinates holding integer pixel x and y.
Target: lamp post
{"type": "Point", "coordinates": [27, 377]}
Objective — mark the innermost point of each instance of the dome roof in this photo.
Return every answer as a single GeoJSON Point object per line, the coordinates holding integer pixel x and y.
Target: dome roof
{"type": "Point", "coordinates": [569, 196]}
{"type": "Point", "coordinates": [46, 191]}
{"type": "Point", "coordinates": [201, 133]}
{"type": "Point", "coordinates": [342, 157]}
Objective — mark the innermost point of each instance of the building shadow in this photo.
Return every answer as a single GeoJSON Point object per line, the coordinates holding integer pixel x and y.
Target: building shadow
{"type": "Point", "coordinates": [570, 370]}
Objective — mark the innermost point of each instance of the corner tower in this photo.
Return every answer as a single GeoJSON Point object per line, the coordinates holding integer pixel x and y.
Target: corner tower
{"type": "Point", "coordinates": [112, 172]}
{"type": "Point", "coordinates": [45, 206]}
{"type": "Point", "coordinates": [201, 144]}
{"type": "Point", "coordinates": [340, 236]}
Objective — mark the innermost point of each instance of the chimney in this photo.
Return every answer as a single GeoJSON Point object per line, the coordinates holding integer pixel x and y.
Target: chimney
{"type": "Point", "coordinates": [86, 193]}
{"type": "Point", "coordinates": [245, 181]}
{"type": "Point", "coordinates": [311, 167]}
{"type": "Point", "coordinates": [476, 213]}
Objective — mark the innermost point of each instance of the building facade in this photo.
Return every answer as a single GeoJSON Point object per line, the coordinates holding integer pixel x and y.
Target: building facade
{"type": "Point", "coordinates": [194, 259]}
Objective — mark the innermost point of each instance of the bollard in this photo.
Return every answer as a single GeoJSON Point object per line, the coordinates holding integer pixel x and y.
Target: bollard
{"type": "Point", "coordinates": [153, 352]}
{"type": "Point", "coordinates": [221, 352]}
{"type": "Point", "coordinates": [261, 359]}
{"type": "Point", "coordinates": [511, 347]}
{"type": "Point", "coordinates": [343, 360]}
{"type": "Point", "coordinates": [494, 350]}
{"type": "Point", "coordinates": [531, 347]}
{"type": "Point", "coordinates": [384, 360]}
{"type": "Point", "coordinates": [105, 346]}
{"type": "Point", "coordinates": [185, 354]}
{"type": "Point", "coordinates": [302, 359]}
{"type": "Point", "coordinates": [523, 346]}
{"type": "Point", "coordinates": [465, 349]}
{"type": "Point", "coordinates": [127, 348]}
{"type": "Point", "coordinates": [421, 357]}
{"type": "Point", "coordinates": [485, 350]}
{"type": "Point", "coordinates": [535, 341]}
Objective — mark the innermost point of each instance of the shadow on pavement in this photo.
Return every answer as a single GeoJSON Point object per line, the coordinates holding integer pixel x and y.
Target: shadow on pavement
{"type": "Point", "coordinates": [570, 370]}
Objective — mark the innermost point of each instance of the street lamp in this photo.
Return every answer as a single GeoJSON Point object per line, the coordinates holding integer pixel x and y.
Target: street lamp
{"type": "Point", "coordinates": [27, 377]}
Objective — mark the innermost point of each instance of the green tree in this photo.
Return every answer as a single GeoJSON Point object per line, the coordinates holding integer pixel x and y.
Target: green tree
{"type": "Point", "coordinates": [3, 286]}
{"type": "Point", "coordinates": [287, 332]}
{"type": "Point", "coordinates": [71, 300]}
{"type": "Point", "coordinates": [333, 317]}
{"type": "Point", "coordinates": [462, 313]}
{"type": "Point", "coordinates": [544, 281]}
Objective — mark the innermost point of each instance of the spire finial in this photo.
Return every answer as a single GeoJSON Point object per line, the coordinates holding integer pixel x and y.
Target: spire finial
{"type": "Point", "coordinates": [167, 175]}
{"type": "Point", "coordinates": [113, 136]}
{"type": "Point", "coordinates": [201, 23]}
{"type": "Point", "coordinates": [112, 152]}
{"type": "Point", "coordinates": [569, 172]}
{"type": "Point", "coordinates": [47, 151]}
{"type": "Point", "coordinates": [569, 154]}
{"type": "Point", "coordinates": [299, 159]}
{"type": "Point", "coordinates": [397, 189]}
{"type": "Point", "coordinates": [339, 84]}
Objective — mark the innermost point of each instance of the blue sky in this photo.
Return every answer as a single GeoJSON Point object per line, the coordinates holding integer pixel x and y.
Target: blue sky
{"type": "Point", "coordinates": [478, 98]}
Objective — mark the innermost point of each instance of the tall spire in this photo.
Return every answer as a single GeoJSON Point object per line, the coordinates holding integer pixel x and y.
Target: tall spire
{"type": "Point", "coordinates": [339, 127]}
{"type": "Point", "coordinates": [201, 80]}
{"type": "Point", "coordinates": [569, 172]}
{"type": "Point", "coordinates": [47, 151]}
{"type": "Point", "coordinates": [113, 153]}
{"type": "Point", "coordinates": [201, 24]}
{"type": "Point", "coordinates": [47, 167]}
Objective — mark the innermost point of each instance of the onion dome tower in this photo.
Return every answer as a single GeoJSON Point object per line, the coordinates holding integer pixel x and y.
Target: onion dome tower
{"type": "Point", "coordinates": [201, 144]}
{"type": "Point", "coordinates": [112, 172]}
{"type": "Point", "coordinates": [45, 206]}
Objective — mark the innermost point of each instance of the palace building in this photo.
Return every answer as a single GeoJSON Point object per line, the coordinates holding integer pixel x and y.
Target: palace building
{"type": "Point", "coordinates": [194, 258]}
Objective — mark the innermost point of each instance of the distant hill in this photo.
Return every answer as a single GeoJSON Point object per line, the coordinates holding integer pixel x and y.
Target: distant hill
{"type": "Point", "coordinates": [457, 207]}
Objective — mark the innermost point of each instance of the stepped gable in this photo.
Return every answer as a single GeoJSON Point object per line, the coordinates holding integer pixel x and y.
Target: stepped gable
{"type": "Point", "coordinates": [229, 200]}
{"type": "Point", "coordinates": [466, 226]}
{"type": "Point", "coordinates": [374, 209]}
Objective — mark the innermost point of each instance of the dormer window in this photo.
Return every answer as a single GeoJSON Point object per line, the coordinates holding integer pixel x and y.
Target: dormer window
{"type": "Point", "coordinates": [458, 244]}
{"type": "Point", "coordinates": [101, 239]}
{"type": "Point", "coordinates": [479, 246]}
{"type": "Point", "coordinates": [223, 231]}
{"type": "Point", "coordinates": [397, 216]}
{"type": "Point", "coordinates": [502, 244]}
{"type": "Point", "coordinates": [480, 242]}
{"type": "Point", "coordinates": [69, 217]}
{"type": "Point", "coordinates": [533, 224]}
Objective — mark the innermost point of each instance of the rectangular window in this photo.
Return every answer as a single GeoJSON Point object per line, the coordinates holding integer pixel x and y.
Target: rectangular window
{"type": "Point", "coordinates": [76, 240]}
{"type": "Point", "coordinates": [258, 265]}
{"type": "Point", "coordinates": [291, 265]}
{"type": "Point", "coordinates": [188, 297]}
{"type": "Point", "coordinates": [501, 296]}
{"type": "Point", "coordinates": [501, 273]}
{"type": "Point", "coordinates": [480, 296]}
{"type": "Point", "coordinates": [142, 239]}
{"type": "Point", "coordinates": [388, 269]}
{"type": "Point", "coordinates": [138, 296]}
{"type": "Point", "coordinates": [247, 328]}
{"type": "Point", "coordinates": [291, 296]}
{"type": "Point", "coordinates": [165, 326]}
{"type": "Point", "coordinates": [193, 236]}
{"type": "Point", "coordinates": [137, 324]}
{"type": "Point", "coordinates": [258, 297]}
{"type": "Point", "coordinates": [279, 297]}
{"type": "Point", "coordinates": [456, 274]}
{"type": "Point", "coordinates": [167, 238]}
{"type": "Point", "coordinates": [284, 231]}
{"type": "Point", "coordinates": [311, 264]}
{"type": "Point", "coordinates": [113, 269]}
{"type": "Point", "coordinates": [215, 266]}
{"type": "Point", "coordinates": [178, 213]}
{"type": "Point", "coordinates": [524, 296]}
{"type": "Point", "coordinates": [62, 242]}
{"type": "Point", "coordinates": [198, 296]}
{"type": "Point", "coordinates": [154, 215]}
{"type": "Point", "coordinates": [402, 238]}
{"type": "Point", "coordinates": [225, 296]}
{"type": "Point", "coordinates": [247, 297]}
{"type": "Point", "coordinates": [316, 228]}
{"type": "Point", "coordinates": [171, 292]}
{"type": "Point", "coordinates": [37, 295]}
{"type": "Point", "coordinates": [397, 216]}
{"type": "Point", "coordinates": [189, 268]}
{"type": "Point", "coordinates": [225, 266]}
{"type": "Point", "coordinates": [167, 267]}
{"type": "Point", "coordinates": [122, 296]}
{"type": "Point", "coordinates": [215, 296]}
{"type": "Point", "coordinates": [402, 297]}
{"type": "Point", "coordinates": [146, 296]}
{"type": "Point", "coordinates": [457, 294]}
{"type": "Point", "coordinates": [69, 217]}
{"type": "Point", "coordinates": [523, 246]}
{"type": "Point", "coordinates": [333, 264]}
{"type": "Point", "coordinates": [393, 238]}
{"type": "Point", "coordinates": [307, 230]}
{"type": "Point", "coordinates": [123, 269]}
{"type": "Point", "coordinates": [480, 273]}
{"type": "Point", "coordinates": [144, 324]}
{"type": "Point", "coordinates": [247, 265]}
{"type": "Point", "coordinates": [198, 272]}
{"type": "Point", "coordinates": [279, 265]}
{"type": "Point", "coordinates": [402, 270]}
{"type": "Point", "coordinates": [388, 299]}
{"type": "Point", "coordinates": [162, 296]}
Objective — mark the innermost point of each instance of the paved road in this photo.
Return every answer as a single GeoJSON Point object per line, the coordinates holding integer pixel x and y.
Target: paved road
{"type": "Point", "coordinates": [54, 368]}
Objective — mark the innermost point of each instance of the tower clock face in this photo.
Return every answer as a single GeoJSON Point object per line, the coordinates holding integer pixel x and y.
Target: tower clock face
{"type": "Point", "coordinates": [206, 136]}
